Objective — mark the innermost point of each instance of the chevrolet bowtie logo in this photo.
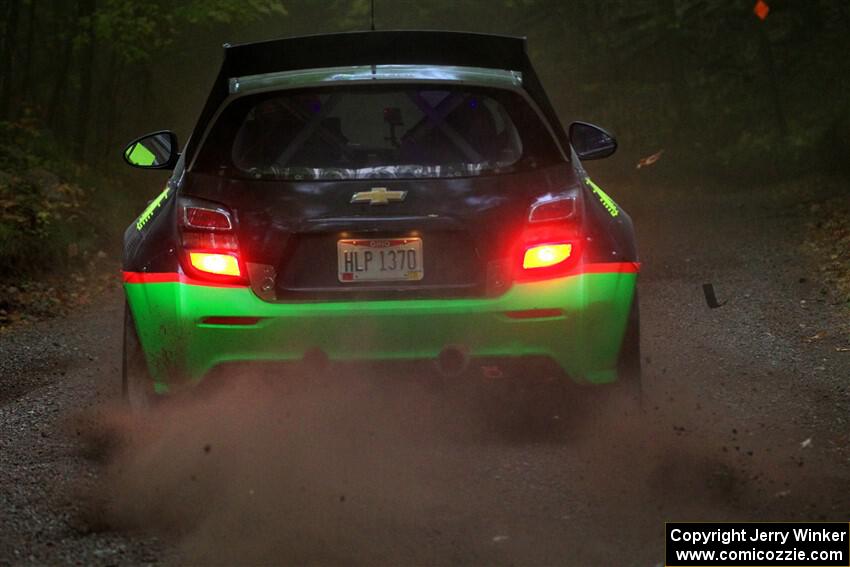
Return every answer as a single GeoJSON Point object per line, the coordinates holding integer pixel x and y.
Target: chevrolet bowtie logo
{"type": "Point", "coordinates": [378, 196]}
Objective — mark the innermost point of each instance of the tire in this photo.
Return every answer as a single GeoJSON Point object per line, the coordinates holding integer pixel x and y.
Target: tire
{"type": "Point", "coordinates": [629, 363]}
{"type": "Point", "coordinates": [136, 384]}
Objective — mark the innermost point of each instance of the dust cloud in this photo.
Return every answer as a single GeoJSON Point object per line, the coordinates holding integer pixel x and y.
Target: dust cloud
{"type": "Point", "coordinates": [354, 469]}
{"type": "Point", "coordinates": [297, 470]}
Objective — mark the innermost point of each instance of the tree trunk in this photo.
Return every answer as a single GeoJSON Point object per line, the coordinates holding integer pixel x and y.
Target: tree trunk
{"type": "Point", "coordinates": [26, 65]}
{"type": "Point", "coordinates": [58, 95]}
{"type": "Point", "coordinates": [673, 46]}
{"type": "Point", "coordinates": [111, 96]}
{"type": "Point", "coordinates": [63, 49]}
{"type": "Point", "coordinates": [85, 9]}
{"type": "Point", "coordinates": [7, 63]}
{"type": "Point", "coordinates": [774, 95]}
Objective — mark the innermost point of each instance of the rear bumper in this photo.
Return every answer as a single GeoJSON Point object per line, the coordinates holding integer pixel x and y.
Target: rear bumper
{"type": "Point", "coordinates": [185, 332]}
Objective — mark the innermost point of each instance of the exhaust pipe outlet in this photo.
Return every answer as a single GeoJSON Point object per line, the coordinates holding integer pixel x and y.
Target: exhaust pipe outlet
{"type": "Point", "coordinates": [452, 361]}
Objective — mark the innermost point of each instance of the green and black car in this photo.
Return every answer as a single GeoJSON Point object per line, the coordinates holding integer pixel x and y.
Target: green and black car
{"type": "Point", "coordinates": [379, 197]}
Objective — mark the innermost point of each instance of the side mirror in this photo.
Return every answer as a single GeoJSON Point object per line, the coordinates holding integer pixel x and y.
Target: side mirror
{"type": "Point", "coordinates": [153, 151]}
{"type": "Point", "coordinates": [591, 142]}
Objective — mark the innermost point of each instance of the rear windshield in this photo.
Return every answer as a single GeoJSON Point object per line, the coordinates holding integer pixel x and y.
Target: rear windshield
{"type": "Point", "coordinates": [368, 132]}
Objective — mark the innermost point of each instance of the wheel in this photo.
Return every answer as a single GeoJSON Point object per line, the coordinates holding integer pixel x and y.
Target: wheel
{"type": "Point", "coordinates": [136, 383]}
{"type": "Point", "coordinates": [629, 364]}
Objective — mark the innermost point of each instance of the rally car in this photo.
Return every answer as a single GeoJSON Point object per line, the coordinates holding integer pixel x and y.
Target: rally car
{"type": "Point", "coordinates": [379, 197]}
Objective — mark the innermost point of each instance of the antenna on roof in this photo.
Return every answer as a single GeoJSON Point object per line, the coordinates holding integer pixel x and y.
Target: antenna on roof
{"type": "Point", "coordinates": [373, 15]}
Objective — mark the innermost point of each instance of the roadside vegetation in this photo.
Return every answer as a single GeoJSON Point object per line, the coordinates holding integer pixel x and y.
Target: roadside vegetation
{"type": "Point", "coordinates": [692, 89]}
{"type": "Point", "coordinates": [830, 244]}
{"type": "Point", "coordinates": [66, 92]}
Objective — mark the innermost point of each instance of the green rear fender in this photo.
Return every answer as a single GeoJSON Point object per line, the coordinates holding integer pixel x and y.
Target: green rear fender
{"type": "Point", "coordinates": [602, 321]}
{"type": "Point", "coordinates": [162, 331]}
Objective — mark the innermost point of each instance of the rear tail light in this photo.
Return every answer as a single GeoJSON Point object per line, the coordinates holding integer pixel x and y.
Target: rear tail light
{"type": "Point", "coordinates": [551, 243]}
{"type": "Point", "coordinates": [218, 264]}
{"type": "Point", "coordinates": [209, 241]}
{"type": "Point", "coordinates": [546, 255]}
{"type": "Point", "coordinates": [550, 258]}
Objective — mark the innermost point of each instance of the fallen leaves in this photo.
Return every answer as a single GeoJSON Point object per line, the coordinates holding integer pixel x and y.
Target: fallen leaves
{"type": "Point", "coordinates": [34, 199]}
{"type": "Point", "coordinates": [649, 160]}
{"type": "Point", "coordinates": [57, 294]}
{"type": "Point", "coordinates": [828, 242]}
{"type": "Point", "coordinates": [816, 337]}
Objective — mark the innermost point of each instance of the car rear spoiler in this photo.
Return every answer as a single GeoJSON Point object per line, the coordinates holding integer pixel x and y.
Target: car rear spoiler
{"type": "Point", "coordinates": [460, 49]}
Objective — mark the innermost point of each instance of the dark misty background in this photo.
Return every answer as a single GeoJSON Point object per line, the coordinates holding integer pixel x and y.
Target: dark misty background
{"type": "Point", "coordinates": [725, 94]}
{"type": "Point", "coordinates": [706, 77]}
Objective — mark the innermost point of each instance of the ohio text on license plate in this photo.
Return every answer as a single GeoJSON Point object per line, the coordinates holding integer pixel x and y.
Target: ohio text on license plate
{"type": "Point", "coordinates": [380, 259]}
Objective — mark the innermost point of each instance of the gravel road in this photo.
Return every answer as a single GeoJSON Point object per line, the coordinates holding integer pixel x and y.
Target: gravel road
{"type": "Point", "coordinates": [746, 419]}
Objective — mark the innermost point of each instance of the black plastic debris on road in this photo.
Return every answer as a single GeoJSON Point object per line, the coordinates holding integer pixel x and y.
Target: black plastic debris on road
{"type": "Point", "coordinates": [710, 297]}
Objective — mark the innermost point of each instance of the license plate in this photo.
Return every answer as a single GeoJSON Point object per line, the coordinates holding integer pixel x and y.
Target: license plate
{"type": "Point", "coordinates": [380, 260]}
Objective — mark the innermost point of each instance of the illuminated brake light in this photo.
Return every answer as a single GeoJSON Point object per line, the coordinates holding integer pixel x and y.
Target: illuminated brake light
{"type": "Point", "coordinates": [219, 264]}
{"type": "Point", "coordinates": [207, 219]}
{"type": "Point", "coordinates": [546, 255]}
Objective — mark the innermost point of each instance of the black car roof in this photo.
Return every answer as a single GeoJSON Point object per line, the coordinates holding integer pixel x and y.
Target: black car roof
{"type": "Point", "coordinates": [395, 47]}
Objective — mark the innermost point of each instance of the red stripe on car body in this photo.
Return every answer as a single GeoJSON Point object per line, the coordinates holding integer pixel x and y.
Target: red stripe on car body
{"type": "Point", "coordinates": [609, 268]}
{"type": "Point", "coordinates": [171, 277]}
{"type": "Point", "coordinates": [174, 277]}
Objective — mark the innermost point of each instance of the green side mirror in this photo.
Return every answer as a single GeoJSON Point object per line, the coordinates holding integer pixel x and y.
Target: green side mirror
{"type": "Point", "coordinates": [153, 151]}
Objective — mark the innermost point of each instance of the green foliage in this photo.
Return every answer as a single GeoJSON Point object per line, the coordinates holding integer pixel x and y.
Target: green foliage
{"type": "Point", "coordinates": [708, 81]}
{"type": "Point", "coordinates": [69, 73]}
{"type": "Point", "coordinates": [137, 31]}
{"type": "Point", "coordinates": [204, 12]}
{"type": "Point", "coordinates": [42, 214]}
